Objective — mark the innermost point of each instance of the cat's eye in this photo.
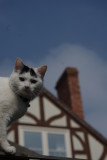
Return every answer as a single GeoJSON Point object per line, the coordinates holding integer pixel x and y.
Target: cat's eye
{"type": "Point", "coordinates": [33, 81]}
{"type": "Point", "coordinates": [22, 79]}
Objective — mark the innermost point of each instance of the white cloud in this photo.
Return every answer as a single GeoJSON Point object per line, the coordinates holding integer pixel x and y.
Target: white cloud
{"type": "Point", "coordinates": [92, 76]}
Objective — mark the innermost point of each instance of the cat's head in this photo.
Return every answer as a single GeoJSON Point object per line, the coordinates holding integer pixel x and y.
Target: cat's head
{"type": "Point", "coordinates": [27, 81]}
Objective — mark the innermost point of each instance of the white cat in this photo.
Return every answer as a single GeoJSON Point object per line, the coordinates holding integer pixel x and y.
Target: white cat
{"type": "Point", "coordinates": [16, 92]}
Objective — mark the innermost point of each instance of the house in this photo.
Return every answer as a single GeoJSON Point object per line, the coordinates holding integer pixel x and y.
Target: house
{"type": "Point", "coordinates": [56, 126]}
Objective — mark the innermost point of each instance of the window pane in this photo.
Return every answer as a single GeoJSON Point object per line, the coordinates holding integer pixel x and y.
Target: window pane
{"type": "Point", "coordinates": [33, 140]}
{"type": "Point", "coordinates": [56, 144]}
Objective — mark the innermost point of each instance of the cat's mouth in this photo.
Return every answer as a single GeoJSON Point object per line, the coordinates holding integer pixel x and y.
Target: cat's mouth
{"type": "Point", "coordinates": [27, 90]}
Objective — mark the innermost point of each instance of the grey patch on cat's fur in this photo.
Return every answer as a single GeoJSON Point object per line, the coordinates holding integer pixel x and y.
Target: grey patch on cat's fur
{"type": "Point", "coordinates": [32, 72]}
{"type": "Point", "coordinates": [27, 69]}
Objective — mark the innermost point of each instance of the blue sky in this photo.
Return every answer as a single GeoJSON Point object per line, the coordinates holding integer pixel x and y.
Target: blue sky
{"type": "Point", "coordinates": [60, 33]}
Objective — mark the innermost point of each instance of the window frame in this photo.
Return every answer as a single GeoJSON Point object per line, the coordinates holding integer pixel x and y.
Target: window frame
{"type": "Point", "coordinates": [44, 132]}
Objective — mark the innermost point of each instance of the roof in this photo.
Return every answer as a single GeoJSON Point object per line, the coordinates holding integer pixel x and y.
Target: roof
{"type": "Point", "coordinates": [80, 121]}
{"type": "Point", "coordinates": [26, 154]}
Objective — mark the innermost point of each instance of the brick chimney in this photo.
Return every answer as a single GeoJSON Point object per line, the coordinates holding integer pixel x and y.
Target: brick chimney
{"type": "Point", "coordinates": [68, 90]}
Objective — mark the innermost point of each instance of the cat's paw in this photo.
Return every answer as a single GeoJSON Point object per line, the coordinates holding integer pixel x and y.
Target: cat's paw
{"type": "Point", "coordinates": [6, 147]}
{"type": "Point", "coordinates": [10, 150]}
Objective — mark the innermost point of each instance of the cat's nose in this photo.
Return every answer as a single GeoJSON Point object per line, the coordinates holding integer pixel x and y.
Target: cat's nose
{"type": "Point", "coordinates": [27, 87]}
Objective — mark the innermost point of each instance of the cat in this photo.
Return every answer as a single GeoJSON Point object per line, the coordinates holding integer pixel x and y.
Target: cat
{"type": "Point", "coordinates": [23, 85]}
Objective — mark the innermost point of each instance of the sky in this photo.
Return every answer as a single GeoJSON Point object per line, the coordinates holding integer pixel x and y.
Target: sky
{"type": "Point", "coordinates": [60, 33]}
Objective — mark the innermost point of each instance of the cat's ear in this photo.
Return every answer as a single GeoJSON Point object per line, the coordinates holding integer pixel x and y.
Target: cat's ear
{"type": "Point", "coordinates": [18, 65]}
{"type": "Point", "coordinates": [41, 70]}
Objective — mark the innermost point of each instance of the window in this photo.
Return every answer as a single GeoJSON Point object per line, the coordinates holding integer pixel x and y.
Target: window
{"type": "Point", "coordinates": [33, 140]}
{"type": "Point", "coordinates": [46, 141]}
{"type": "Point", "coordinates": [56, 145]}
